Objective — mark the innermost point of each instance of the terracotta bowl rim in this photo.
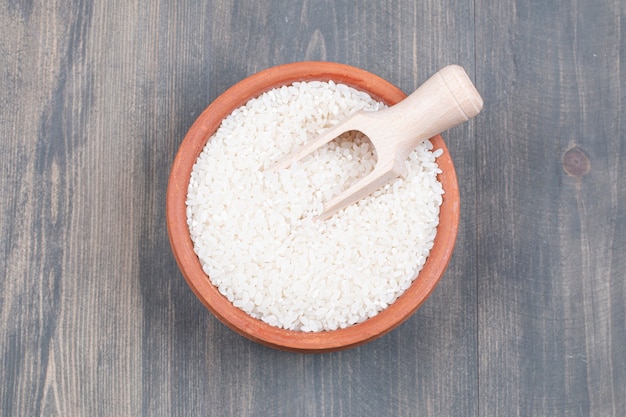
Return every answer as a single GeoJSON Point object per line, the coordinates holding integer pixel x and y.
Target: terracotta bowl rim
{"type": "Point", "coordinates": [256, 330]}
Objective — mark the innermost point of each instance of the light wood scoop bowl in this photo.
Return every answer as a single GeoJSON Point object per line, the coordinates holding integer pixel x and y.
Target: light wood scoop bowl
{"type": "Point", "coordinates": [445, 100]}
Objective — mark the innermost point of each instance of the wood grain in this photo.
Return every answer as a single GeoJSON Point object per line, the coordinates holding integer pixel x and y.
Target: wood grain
{"type": "Point", "coordinates": [95, 318]}
{"type": "Point", "coordinates": [551, 239]}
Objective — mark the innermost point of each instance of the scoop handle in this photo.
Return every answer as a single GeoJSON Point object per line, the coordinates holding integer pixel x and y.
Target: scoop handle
{"type": "Point", "coordinates": [445, 100]}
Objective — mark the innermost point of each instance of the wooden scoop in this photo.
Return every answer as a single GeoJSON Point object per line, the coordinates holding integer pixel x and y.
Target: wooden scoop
{"type": "Point", "coordinates": [445, 100]}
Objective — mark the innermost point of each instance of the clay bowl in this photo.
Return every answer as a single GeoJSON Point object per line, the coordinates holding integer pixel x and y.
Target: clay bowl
{"type": "Point", "coordinates": [237, 319]}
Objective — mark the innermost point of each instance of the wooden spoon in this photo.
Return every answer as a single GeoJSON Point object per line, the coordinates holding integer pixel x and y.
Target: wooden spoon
{"type": "Point", "coordinates": [445, 100]}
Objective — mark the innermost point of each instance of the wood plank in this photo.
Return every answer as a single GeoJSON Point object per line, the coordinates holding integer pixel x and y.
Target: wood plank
{"type": "Point", "coordinates": [551, 233]}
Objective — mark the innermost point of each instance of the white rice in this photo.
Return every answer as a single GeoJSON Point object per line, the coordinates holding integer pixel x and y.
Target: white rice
{"type": "Point", "coordinates": [253, 229]}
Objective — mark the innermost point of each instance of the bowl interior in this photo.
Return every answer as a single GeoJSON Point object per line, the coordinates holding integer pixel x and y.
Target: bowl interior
{"type": "Point", "coordinates": [189, 264]}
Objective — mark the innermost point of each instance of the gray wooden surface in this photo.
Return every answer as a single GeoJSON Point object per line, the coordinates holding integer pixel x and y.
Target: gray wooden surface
{"type": "Point", "coordinates": [95, 318]}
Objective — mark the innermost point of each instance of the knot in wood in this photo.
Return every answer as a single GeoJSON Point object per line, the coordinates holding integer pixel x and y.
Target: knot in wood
{"type": "Point", "coordinates": [575, 162]}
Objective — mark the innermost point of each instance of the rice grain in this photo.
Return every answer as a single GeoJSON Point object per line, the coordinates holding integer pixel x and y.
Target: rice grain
{"type": "Point", "coordinates": [254, 230]}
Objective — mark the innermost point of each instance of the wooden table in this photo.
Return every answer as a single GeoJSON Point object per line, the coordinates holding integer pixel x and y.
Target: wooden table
{"type": "Point", "coordinates": [96, 319]}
